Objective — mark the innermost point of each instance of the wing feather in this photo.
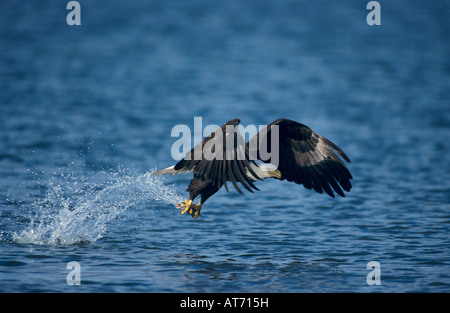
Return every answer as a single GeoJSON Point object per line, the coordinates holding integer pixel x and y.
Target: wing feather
{"type": "Point", "coordinates": [306, 157]}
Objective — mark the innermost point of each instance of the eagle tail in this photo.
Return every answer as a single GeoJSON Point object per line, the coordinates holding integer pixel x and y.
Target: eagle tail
{"type": "Point", "coordinates": [172, 170]}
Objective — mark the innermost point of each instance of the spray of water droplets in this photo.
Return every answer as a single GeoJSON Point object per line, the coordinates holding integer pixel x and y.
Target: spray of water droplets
{"type": "Point", "coordinates": [78, 209]}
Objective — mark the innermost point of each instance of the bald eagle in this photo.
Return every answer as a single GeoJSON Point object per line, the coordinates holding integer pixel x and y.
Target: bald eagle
{"type": "Point", "coordinates": [300, 155]}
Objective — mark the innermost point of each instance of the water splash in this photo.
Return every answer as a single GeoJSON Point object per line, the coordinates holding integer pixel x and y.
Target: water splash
{"type": "Point", "coordinates": [77, 210]}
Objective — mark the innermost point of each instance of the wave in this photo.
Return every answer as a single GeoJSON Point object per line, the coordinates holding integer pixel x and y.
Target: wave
{"type": "Point", "coordinates": [77, 210]}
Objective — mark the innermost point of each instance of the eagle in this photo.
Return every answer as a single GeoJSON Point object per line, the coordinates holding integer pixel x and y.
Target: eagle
{"type": "Point", "coordinates": [297, 154]}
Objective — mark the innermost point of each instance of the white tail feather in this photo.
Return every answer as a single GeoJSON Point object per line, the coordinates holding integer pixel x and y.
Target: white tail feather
{"type": "Point", "coordinates": [171, 170]}
{"type": "Point", "coordinates": [165, 171]}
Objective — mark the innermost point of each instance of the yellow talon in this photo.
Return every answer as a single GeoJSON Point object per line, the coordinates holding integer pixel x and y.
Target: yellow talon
{"type": "Point", "coordinates": [198, 207]}
{"type": "Point", "coordinates": [187, 204]}
{"type": "Point", "coordinates": [192, 209]}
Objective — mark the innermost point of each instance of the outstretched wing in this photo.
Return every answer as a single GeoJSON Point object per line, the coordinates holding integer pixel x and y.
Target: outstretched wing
{"type": "Point", "coordinates": [304, 157]}
{"type": "Point", "coordinates": [220, 157]}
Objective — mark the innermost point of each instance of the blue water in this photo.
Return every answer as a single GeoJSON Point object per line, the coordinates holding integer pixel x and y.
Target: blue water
{"type": "Point", "coordinates": [86, 114]}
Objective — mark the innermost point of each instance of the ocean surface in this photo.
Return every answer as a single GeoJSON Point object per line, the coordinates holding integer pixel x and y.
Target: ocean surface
{"type": "Point", "coordinates": [86, 114]}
